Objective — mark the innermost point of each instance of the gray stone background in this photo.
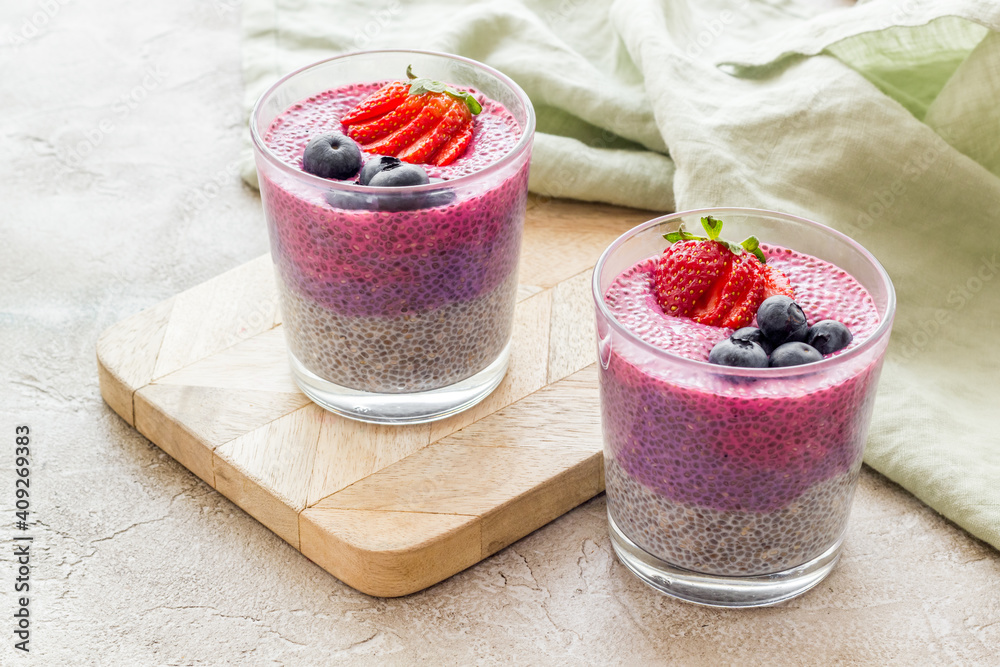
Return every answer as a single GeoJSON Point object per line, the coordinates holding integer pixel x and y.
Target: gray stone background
{"type": "Point", "coordinates": [120, 130]}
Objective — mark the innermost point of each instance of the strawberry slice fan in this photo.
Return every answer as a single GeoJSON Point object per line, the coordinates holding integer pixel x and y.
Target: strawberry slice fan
{"type": "Point", "coordinates": [421, 121]}
{"type": "Point", "coordinates": [714, 281]}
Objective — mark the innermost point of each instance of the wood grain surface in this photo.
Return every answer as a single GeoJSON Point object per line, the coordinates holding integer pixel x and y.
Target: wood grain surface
{"type": "Point", "coordinates": [388, 510]}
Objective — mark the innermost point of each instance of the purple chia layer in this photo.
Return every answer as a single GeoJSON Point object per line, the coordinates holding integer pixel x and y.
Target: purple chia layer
{"type": "Point", "coordinates": [384, 264]}
{"type": "Point", "coordinates": [731, 452]}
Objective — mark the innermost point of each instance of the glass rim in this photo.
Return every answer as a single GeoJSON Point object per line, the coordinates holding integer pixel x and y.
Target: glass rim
{"type": "Point", "coordinates": [880, 333]}
{"type": "Point", "coordinates": [523, 143]}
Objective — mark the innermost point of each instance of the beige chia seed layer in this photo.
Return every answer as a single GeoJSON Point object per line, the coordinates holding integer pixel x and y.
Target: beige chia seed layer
{"type": "Point", "coordinates": [416, 351]}
{"type": "Point", "coordinates": [731, 543]}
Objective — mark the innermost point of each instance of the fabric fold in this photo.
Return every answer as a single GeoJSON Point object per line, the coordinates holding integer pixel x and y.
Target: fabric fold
{"type": "Point", "coordinates": [812, 37]}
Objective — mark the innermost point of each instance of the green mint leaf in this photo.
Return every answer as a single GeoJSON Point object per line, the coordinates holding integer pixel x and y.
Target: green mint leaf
{"type": "Point", "coordinates": [421, 85]}
{"type": "Point", "coordinates": [733, 248]}
{"type": "Point", "coordinates": [474, 106]}
{"type": "Point", "coordinates": [682, 235]}
{"type": "Point", "coordinates": [752, 245]}
{"type": "Point", "coordinates": [713, 227]}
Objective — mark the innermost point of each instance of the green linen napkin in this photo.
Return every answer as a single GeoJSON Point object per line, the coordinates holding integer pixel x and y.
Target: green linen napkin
{"type": "Point", "coordinates": [879, 119]}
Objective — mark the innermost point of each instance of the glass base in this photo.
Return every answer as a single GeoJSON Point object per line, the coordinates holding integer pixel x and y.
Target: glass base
{"type": "Point", "coordinates": [718, 591]}
{"type": "Point", "coordinates": [415, 408]}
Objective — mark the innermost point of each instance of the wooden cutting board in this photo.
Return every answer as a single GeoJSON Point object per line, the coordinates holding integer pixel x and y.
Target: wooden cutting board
{"type": "Point", "coordinates": [389, 510]}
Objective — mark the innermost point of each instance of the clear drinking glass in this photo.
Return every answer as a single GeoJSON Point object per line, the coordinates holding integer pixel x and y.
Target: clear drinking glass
{"type": "Point", "coordinates": [732, 486]}
{"type": "Point", "coordinates": [397, 303]}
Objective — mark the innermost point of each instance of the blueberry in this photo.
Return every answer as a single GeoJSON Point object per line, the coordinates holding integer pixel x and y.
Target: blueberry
{"type": "Point", "coordinates": [387, 200]}
{"type": "Point", "coordinates": [385, 172]}
{"type": "Point", "coordinates": [391, 201]}
{"type": "Point", "coordinates": [753, 335]}
{"type": "Point", "coordinates": [352, 200]}
{"type": "Point", "coordinates": [398, 176]}
{"type": "Point", "coordinates": [781, 320]}
{"type": "Point", "coordinates": [743, 353]}
{"type": "Point", "coordinates": [828, 336]}
{"type": "Point", "coordinates": [332, 156]}
{"type": "Point", "coordinates": [374, 165]}
{"type": "Point", "coordinates": [794, 354]}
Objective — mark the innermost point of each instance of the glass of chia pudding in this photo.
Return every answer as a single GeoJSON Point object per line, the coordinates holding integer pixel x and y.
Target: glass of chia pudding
{"type": "Point", "coordinates": [729, 483]}
{"type": "Point", "coordinates": [394, 186]}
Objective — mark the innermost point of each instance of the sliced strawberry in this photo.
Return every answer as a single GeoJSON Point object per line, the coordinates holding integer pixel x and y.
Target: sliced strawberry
{"type": "Point", "coordinates": [735, 296]}
{"type": "Point", "coordinates": [713, 281]}
{"type": "Point", "coordinates": [686, 272]}
{"type": "Point", "coordinates": [746, 299]}
{"type": "Point", "coordinates": [382, 101]}
{"type": "Point", "coordinates": [454, 147]}
{"type": "Point", "coordinates": [776, 282]}
{"type": "Point", "coordinates": [425, 146]}
{"type": "Point", "coordinates": [381, 127]}
{"type": "Point", "coordinates": [432, 113]}
{"type": "Point", "coordinates": [419, 121]}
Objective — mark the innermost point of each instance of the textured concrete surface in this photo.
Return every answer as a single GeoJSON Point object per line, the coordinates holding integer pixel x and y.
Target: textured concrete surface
{"type": "Point", "coordinates": [119, 140]}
